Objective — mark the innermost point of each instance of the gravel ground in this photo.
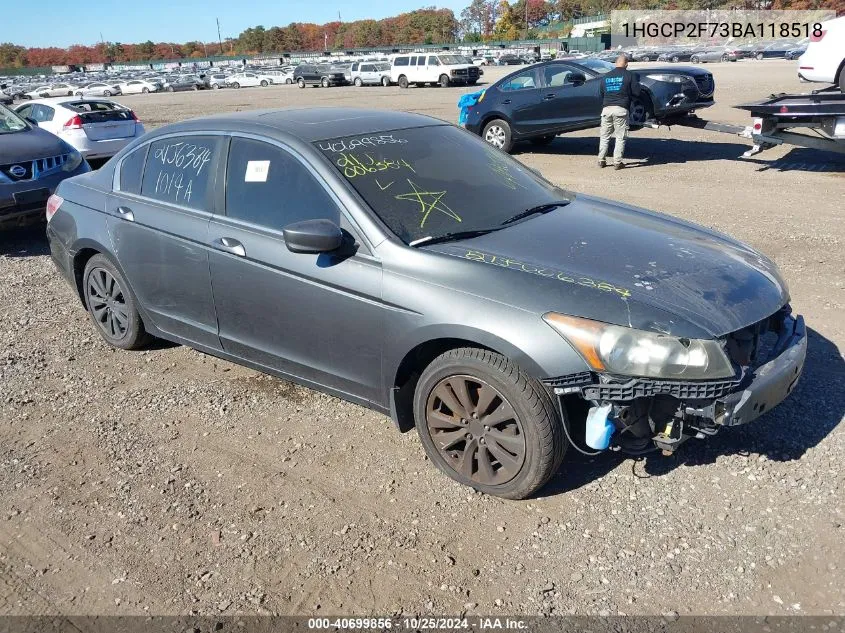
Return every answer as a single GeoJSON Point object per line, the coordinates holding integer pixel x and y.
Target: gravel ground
{"type": "Point", "coordinates": [170, 482]}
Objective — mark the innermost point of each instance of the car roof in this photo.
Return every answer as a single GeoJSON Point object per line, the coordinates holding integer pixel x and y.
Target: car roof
{"type": "Point", "coordinates": [307, 124]}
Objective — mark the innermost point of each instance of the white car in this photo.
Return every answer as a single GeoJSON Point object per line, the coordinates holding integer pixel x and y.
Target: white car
{"type": "Point", "coordinates": [51, 90]}
{"type": "Point", "coordinates": [282, 76]}
{"type": "Point", "coordinates": [97, 89]}
{"type": "Point", "coordinates": [97, 128]}
{"type": "Point", "coordinates": [445, 69]}
{"type": "Point", "coordinates": [824, 59]}
{"type": "Point", "coordinates": [370, 73]}
{"type": "Point", "coordinates": [248, 80]}
{"type": "Point", "coordinates": [138, 86]}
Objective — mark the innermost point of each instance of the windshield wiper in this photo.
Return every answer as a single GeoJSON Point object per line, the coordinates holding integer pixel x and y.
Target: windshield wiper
{"type": "Point", "coordinates": [452, 237]}
{"type": "Point", "coordinates": [542, 208]}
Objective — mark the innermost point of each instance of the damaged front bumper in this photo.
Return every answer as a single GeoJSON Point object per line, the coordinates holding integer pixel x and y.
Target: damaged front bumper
{"type": "Point", "coordinates": [668, 412]}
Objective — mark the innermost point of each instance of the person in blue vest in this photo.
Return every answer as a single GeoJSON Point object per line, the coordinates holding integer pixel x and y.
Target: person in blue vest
{"type": "Point", "coordinates": [617, 88]}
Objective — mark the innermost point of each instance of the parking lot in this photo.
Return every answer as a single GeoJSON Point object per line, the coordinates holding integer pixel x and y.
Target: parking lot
{"type": "Point", "coordinates": [168, 482]}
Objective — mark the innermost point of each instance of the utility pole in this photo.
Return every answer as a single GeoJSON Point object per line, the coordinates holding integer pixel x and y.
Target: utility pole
{"type": "Point", "coordinates": [525, 36]}
{"type": "Point", "coordinates": [219, 39]}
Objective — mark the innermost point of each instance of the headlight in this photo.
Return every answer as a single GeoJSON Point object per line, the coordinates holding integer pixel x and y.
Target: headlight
{"type": "Point", "coordinates": [74, 160]}
{"type": "Point", "coordinates": [622, 350]}
{"type": "Point", "coordinates": [674, 79]}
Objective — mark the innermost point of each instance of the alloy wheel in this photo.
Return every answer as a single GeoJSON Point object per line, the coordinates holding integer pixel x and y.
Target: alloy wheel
{"type": "Point", "coordinates": [107, 303]}
{"type": "Point", "coordinates": [637, 113]}
{"type": "Point", "coordinates": [495, 135]}
{"type": "Point", "coordinates": [475, 430]}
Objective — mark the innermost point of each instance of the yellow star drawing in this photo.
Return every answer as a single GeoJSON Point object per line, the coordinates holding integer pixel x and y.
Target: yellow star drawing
{"type": "Point", "coordinates": [429, 201]}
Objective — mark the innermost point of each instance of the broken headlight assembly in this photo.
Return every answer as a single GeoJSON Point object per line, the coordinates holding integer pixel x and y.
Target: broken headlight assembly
{"type": "Point", "coordinates": [621, 350]}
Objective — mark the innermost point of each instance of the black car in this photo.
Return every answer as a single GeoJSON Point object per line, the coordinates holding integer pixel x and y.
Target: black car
{"type": "Point", "coordinates": [678, 55]}
{"type": "Point", "coordinates": [318, 75]}
{"type": "Point", "coordinates": [32, 164]}
{"type": "Point", "coordinates": [775, 50]}
{"type": "Point", "coordinates": [552, 97]}
{"type": "Point", "coordinates": [396, 261]}
{"type": "Point", "coordinates": [512, 60]}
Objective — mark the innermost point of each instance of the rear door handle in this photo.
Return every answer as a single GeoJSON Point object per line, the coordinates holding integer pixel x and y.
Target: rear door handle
{"type": "Point", "coordinates": [551, 95]}
{"type": "Point", "coordinates": [126, 214]}
{"type": "Point", "coordinates": [229, 245]}
{"type": "Point", "coordinates": [506, 101]}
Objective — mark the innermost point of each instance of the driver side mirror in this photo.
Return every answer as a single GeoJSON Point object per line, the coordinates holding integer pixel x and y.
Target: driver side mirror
{"type": "Point", "coordinates": [577, 78]}
{"type": "Point", "coordinates": [313, 236]}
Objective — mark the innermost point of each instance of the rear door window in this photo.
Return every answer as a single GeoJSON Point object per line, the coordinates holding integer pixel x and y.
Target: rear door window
{"type": "Point", "coordinates": [131, 170]}
{"type": "Point", "coordinates": [181, 170]}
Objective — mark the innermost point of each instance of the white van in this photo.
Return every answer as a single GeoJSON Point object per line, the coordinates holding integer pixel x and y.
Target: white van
{"type": "Point", "coordinates": [446, 69]}
{"type": "Point", "coordinates": [824, 59]}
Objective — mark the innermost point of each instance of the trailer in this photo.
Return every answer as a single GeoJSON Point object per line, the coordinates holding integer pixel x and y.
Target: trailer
{"type": "Point", "coordinates": [821, 113]}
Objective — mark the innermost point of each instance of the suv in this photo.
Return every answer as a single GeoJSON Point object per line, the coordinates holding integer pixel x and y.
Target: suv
{"type": "Point", "coordinates": [370, 73]}
{"type": "Point", "coordinates": [314, 75]}
{"type": "Point", "coordinates": [32, 164]}
{"type": "Point", "coordinates": [439, 68]}
{"type": "Point", "coordinates": [824, 59]}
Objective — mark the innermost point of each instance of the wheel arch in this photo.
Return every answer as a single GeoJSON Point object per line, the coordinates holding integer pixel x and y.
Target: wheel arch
{"type": "Point", "coordinates": [405, 373]}
{"type": "Point", "coordinates": [494, 115]}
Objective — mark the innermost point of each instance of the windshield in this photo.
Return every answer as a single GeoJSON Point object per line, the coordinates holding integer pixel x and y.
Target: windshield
{"type": "Point", "coordinates": [451, 59]}
{"type": "Point", "coordinates": [10, 122]}
{"type": "Point", "coordinates": [431, 181]}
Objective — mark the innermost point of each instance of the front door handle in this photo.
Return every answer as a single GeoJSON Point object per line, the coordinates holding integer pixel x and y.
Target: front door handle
{"type": "Point", "coordinates": [506, 101]}
{"type": "Point", "coordinates": [549, 96]}
{"type": "Point", "coordinates": [229, 245]}
{"type": "Point", "coordinates": [126, 214]}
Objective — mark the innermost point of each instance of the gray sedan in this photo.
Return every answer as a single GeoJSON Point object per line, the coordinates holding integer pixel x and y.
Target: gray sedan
{"type": "Point", "coordinates": [403, 264]}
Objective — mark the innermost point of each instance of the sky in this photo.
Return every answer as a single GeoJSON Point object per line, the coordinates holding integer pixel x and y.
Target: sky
{"type": "Point", "coordinates": [57, 23]}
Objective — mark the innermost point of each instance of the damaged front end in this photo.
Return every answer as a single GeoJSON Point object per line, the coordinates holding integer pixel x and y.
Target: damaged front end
{"type": "Point", "coordinates": [635, 414]}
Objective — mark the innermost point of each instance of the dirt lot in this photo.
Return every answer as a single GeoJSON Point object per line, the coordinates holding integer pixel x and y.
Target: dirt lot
{"type": "Point", "coordinates": [172, 482]}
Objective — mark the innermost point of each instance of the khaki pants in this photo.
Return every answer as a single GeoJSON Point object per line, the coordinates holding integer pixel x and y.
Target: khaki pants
{"type": "Point", "coordinates": [614, 121]}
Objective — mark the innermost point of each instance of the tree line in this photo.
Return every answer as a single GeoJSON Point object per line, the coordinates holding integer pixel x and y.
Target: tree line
{"type": "Point", "coordinates": [481, 20]}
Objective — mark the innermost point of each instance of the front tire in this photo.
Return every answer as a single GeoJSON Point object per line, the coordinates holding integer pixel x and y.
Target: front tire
{"type": "Point", "coordinates": [236, 85]}
{"type": "Point", "coordinates": [111, 305]}
{"type": "Point", "coordinates": [842, 79]}
{"type": "Point", "coordinates": [145, 90]}
{"type": "Point", "coordinates": [264, 83]}
{"type": "Point", "coordinates": [444, 81]}
{"type": "Point", "coordinates": [325, 82]}
{"type": "Point", "coordinates": [759, 56]}
{"type": "Point", "coordinates": [301, 82]}
{"type": "Point", "coordinates": [106, 93]}
{"type": "Point", "coordinates": [695, 60]}
{"type": "Point", "coordinates": [487, 424]}
{"type": "Point", "coordinates": [79, 94]}
{"type": "Point", "coordinates": [288, 81]}
{"type": "Point", "coordinates": [358, 82]}
{"type": "Point", "coordinates": [639, 112]}
{"type": "Point", "coordinates": [675, 59]}
{"type": "Point", "coordinates": [403, 81]}
{"type": "Point", "coordinates": [498, 134]}
{"type": "Point", "coordinates": [385, 81]}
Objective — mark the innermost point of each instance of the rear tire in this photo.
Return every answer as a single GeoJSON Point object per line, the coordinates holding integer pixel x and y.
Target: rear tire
{"type": "Point", "coordinates": [515, 454]}
{"type": "Point", "coordinates": [106, 93]}
{"type": "Point", "coordinates": [236, 85]}
{"type": "Point", "coordinates": [444, 81]}
{"type": "Point", "coordinates": [842, 79]}
{"type": "Point", "coordinates": [215, 86]}
{"type": "Point", "coordinates": [675, 59]}
{"type": "Point", "coordinates": [169, 88]}
{"type": "Point", "coordinates": [695, 59]}
{"type": "Point", "coordinates": [385, 81]}
{"type": "Point", "coordinates": [726, 58]}
{"type": "Point", "coordinates": [111, 305]}
{"type": "Point", "coordinates": [79, 94]}
{"type": "Point", "coordinates": [288, 81]}
{"type": "Point", "coordinates": [145, 90]}
{"type": "Point", "coordinates": [403, 81]}
{"type": "Point", "coordinates": [498, 134]}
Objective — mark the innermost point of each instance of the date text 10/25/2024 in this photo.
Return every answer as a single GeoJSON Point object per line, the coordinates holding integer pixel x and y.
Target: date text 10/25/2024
{"type": "Point", "coordinates": [419, 624]}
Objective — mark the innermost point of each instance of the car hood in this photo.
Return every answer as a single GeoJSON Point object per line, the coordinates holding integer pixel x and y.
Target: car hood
{"type": "Point", "coordinates": [28, 145]}
{"type": "Point", "coordinates": [673, 70]}
{"type": "Point", "coordinates": [623, 265]}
